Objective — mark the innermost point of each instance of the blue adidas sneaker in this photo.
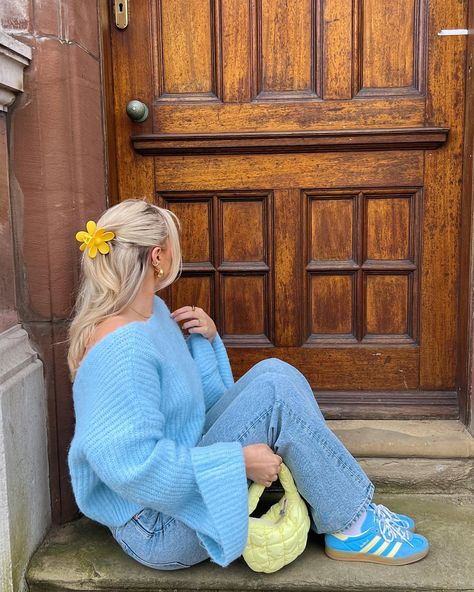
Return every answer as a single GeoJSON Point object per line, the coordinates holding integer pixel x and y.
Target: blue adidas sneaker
{"type": "Point", "coordinates": [397, 519]}
{"type": "Point", "coordinates": [381, 541]}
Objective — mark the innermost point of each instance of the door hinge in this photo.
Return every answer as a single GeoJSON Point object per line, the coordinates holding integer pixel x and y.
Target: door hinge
{"type": "Point", "coordinates": [121, 13]}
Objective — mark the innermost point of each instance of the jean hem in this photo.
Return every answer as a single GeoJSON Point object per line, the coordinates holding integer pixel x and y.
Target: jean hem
{"type": "Point", "coordinates": [362, 508]}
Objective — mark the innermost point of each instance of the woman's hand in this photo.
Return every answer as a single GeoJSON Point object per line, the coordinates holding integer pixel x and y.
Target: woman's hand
{"type": "Point", "coordinates": [197, 321]}
{"type": "Point", "coordinates": [261, 463]}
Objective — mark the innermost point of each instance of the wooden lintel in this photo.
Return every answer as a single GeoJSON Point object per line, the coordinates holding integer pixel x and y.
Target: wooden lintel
{"type": "Point", "coordinates": [421, 138]}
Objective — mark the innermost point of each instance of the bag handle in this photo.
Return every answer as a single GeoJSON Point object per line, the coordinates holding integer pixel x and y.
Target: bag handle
{"type": "Point", "coordinates": [286, 479]}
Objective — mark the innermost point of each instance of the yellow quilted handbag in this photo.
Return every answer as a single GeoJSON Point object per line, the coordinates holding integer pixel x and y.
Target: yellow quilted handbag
{"type": "Point", "coordinates": [280, 535]}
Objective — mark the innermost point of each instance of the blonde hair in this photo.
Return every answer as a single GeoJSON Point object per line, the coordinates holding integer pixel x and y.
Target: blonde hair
{"type": "Point", "coordinates": [109, 283]}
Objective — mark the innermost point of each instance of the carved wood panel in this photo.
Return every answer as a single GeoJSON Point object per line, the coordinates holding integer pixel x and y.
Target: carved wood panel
{"type": "Point", "coordinates": [389, 64]}
{"type": "Point", "coordinates": [314, 122]}
{"type": "Point", "coordinates": [214, 62]}
{"type": "Point", "coordinates": [359, 275]}
{"type": "Point", "coordinates": [285, 49]}
{"type": "Point", "coordinates": [228, 269]}
{"type": "Point", "coordinates": [362, 266]}
{"type": "Point", "coordinates": [189, 29]}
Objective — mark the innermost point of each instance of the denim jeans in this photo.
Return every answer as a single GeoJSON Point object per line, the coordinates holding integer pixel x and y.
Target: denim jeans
{"type": "Point", "coordinates": [272, 404]}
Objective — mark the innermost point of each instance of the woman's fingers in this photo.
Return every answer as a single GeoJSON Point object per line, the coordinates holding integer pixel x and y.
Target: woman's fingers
{"type": "Point", "coordinates": [194, 318]}
{"type": "Point", "coordinates": [268, 483]}
{"type": "Point", "coordinates": [186, 312]}
{"type": "Point", "coordinates": [270, 480]}
{"type": "Point", "coordinates": [197, 321]}
{"type": "Point", "coordinates": [194, 323]}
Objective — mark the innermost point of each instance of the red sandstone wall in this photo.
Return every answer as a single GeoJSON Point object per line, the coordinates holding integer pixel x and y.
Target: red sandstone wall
{"type": "Point", "coordinates": [8, 314]}
{"type": "Point", "coordinates": [57, 182]}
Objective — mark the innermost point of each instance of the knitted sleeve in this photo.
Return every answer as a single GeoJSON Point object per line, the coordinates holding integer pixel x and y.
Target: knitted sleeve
{"type": "Point", "coordinates": [213, 364]}
{"type": "Point", "coordinates": [205, 487]}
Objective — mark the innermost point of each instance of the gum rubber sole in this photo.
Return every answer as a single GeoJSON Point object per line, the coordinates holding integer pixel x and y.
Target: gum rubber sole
{"type": "Point", "coordinates": [368, 558]}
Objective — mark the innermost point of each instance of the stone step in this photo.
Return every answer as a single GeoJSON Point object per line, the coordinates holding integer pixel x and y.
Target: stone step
{"type": "Point", "coordinates": [82, 555]}
{"type": "Point", "coordinates": [418, 456]}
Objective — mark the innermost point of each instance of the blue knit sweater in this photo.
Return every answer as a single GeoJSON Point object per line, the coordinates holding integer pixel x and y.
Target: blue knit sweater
{"type": "Point", "coordinates": [140, 397]}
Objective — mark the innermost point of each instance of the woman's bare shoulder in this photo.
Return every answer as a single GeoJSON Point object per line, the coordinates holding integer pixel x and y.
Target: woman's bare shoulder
{"type": "Point", "coordinates": [104, 328]}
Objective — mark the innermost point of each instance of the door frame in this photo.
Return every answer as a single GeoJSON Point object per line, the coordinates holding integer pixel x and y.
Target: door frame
{"type": "Point", "coordinates": [465, 376]}
{"type": "Point", "coordinates": [465, 369]}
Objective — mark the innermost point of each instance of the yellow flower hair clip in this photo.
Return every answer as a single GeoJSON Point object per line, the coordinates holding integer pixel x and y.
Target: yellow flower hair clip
{"type": "Point", "coordinates": [95, 238]}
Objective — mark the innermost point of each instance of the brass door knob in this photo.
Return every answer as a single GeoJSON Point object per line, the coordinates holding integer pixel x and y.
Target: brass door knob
{"type": "Point", "coordinates": [137, 111]}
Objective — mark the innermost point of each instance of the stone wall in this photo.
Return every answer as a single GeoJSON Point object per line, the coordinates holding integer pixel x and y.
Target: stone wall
{"type": "Point", "coordinates": [25, 510]}
{"type": "Point", "coordinates": [57, 182]}
{"type": "Point", "coordinates": [8, 314]}
{"type": "Point", "coordinates": [51, 181]}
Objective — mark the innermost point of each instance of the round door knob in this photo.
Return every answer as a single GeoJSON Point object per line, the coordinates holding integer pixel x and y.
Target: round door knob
{"type": "Point", "coordinates": [137, 111]}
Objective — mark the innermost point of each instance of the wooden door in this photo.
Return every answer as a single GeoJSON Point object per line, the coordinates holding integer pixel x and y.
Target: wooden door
{"type": "Point", "coordinates": [312, 150]}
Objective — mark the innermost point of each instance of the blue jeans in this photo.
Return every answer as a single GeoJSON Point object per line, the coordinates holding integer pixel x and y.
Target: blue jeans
{"type": "Point", "coordinates": [272, 404]}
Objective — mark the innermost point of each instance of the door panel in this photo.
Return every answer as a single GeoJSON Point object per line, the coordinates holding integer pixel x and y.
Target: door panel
{"type": "Point", "coordinates": [187, 57]}
{"type": "Point", "coordinates": [303, 146]}
{"type": "Point", "coordinates": [391, 65]}
{"type": "Point", "coordinates": [329, 170]}
{"type": "Point", "coordinates": [300, 115]}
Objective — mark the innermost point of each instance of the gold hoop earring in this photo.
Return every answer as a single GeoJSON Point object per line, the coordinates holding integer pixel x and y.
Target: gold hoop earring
{"type": "Point", "coordinates": [158, 273]}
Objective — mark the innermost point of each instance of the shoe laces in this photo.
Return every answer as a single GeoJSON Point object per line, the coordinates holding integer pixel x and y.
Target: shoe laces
{"type": "Point", "coordinates": [389, 529]}
{"type": "Point", "coordinates": [391, 516]}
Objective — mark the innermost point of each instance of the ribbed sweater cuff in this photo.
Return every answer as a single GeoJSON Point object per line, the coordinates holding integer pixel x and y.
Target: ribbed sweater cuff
{"type": "Point", "coordinates": [222, 482]}
{"type": "Point", "coordinates": [223, 361]}
{"type": "Point", "coordinates": [203, 353]}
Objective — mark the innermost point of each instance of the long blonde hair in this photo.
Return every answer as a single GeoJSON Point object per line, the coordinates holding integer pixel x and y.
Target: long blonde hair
{"type": "Point", "coordinates": [109, 283]}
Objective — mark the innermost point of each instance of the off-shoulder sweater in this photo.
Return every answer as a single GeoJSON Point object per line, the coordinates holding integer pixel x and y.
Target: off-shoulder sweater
{"type": "Point", "coordinates": [140, 398]}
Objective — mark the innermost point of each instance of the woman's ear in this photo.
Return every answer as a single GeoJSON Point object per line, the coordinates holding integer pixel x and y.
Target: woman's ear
{"type": "Point", "coordinates": [155, 255]}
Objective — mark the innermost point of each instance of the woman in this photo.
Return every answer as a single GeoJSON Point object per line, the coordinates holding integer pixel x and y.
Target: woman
{"type": "Point", "coordinates": [166, 445]}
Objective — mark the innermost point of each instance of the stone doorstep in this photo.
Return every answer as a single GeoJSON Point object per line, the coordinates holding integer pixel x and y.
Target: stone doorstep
{"type": "Point", "coordinates": [431, 457]}
{"type": "Point", "coordinates": [419, 456]}
{"type": "Point", "coordinates": [82, 555]}
{"type": "Point", "coordinates": [400, 456]}
{"type": "Point", "coordinates": [436, 439]}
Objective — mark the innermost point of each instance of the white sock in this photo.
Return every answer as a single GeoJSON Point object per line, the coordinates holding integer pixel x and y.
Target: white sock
{"type": "Point", "coordinates": [355, 529]}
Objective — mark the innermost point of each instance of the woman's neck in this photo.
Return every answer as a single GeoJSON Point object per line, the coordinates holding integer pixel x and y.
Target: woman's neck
{"type": "Point", "coordinates": [141, 309]}
{"type": "Point", "coordinates": [142, 304]}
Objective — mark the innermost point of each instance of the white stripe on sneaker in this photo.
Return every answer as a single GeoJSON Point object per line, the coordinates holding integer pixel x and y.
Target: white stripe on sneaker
{"type": "Point", "coordinates": [341, 537]}
{"type": "Point", "coordinates": [382, 548]}
{"type": "Point", "coordinates": [394, 551]}
{"type": "Point", "coordinates": [369, 546]}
